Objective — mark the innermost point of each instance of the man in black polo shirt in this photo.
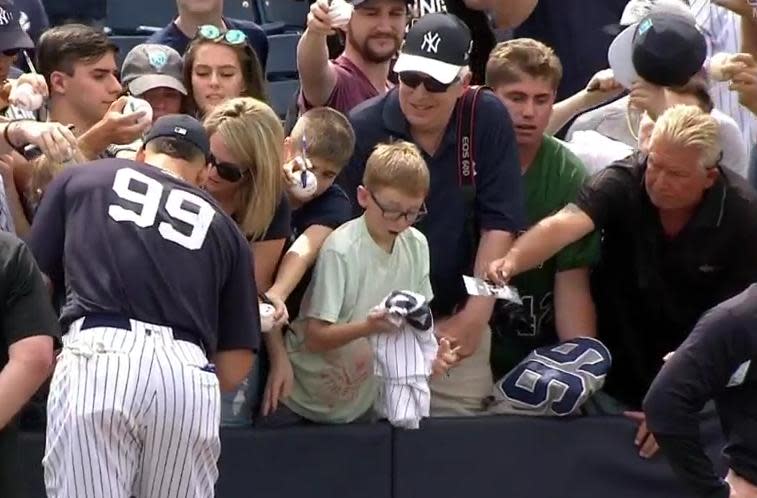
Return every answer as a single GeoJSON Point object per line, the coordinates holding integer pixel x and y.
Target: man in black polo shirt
{"type": "Point", "coordinates": [28, 330]}
{"type": "Point", "coordinates": [717, 361]}
{"type": "Point", "coordinates": [679, 236]}
{"type": "Point", "coordinates": [423, 109]}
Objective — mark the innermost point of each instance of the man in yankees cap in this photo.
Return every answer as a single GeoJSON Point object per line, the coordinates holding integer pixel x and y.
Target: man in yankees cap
{"type": "Point", "coordinates": [433, 76]}
{"type": "Point", "coordinates": [159, 313]}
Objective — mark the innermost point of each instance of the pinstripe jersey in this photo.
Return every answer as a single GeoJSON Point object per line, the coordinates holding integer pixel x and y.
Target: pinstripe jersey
{"type": "Point", "coordinates": [722, 30]}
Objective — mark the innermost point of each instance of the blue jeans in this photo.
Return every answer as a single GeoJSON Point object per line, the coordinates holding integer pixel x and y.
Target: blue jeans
{"type": "Point", "coordinates": [238, 408]}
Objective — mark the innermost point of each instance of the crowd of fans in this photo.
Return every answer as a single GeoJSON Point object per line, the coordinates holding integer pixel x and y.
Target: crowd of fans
{"type": "Point", "coordinates": [627, 228]}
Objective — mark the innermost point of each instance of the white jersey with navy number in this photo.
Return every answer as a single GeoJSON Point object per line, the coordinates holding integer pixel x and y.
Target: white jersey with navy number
{"type": "Point", "coordinates": [157, 281]}
{"type": "Point", "coordinates": [553, 380]}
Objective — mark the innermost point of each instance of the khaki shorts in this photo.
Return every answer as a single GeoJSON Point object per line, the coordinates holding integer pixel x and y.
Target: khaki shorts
{"type": "Point", "coordinates": [463, 392]}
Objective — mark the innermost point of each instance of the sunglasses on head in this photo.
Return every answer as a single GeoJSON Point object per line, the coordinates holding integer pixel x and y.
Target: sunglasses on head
{"type": "Point", "coordinates": [214, 33]}
{"type": "Point", "coordinates": [413, 79]}
{"type": "Point", "coordinates": [228, 171]}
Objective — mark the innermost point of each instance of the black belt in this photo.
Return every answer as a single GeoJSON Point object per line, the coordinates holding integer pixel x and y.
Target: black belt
{"type": "Point", "coordinates": [114, 321]}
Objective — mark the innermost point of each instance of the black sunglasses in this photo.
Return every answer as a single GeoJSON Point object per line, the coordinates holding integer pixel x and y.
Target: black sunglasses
{"type": "Point", "coordinates": [413, 79]}
{"type": "Point", "coordinates": [228, 171]}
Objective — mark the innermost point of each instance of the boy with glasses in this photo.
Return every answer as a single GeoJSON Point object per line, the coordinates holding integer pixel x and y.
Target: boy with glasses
{"type": "Point", "coordinates": [359, 264]}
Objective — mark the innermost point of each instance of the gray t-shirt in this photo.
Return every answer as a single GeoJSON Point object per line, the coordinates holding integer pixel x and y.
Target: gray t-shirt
{"type": "Point", "coordinates": [611, 121]}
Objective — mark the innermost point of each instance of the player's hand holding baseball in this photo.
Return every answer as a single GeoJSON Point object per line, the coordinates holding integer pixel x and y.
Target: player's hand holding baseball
{"type": "Point", "coordinates": [55, 140]}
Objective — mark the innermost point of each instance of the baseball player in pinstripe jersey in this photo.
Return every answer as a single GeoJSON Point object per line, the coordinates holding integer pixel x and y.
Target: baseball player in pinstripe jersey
{"type": "Point", "coordinates": [160, 311]}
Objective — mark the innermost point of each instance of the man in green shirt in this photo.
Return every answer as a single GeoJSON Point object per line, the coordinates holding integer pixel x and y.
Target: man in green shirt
{"type": "Point", "coordinates": [557, 303]}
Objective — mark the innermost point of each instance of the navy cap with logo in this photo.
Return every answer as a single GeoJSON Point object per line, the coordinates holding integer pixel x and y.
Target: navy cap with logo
{"type": "Point", "coordinates": [438, 45]}
{"type": "Point", "coordinates": [180, 127]}
{"type": "Point", "coordinates": [668, 49]}
{"type": "Point", "coordinates": [12, 34]}
{"type": "Point", "coordinates": [664, 48]}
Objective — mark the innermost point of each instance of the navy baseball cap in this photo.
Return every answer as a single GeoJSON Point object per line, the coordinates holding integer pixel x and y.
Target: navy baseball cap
{"type": "Point", "coordinates": [664, 48]}
{"type": "Point", "coordinates": [12, 34]}
{"type": "Point", "coordinates": [180, 127]}
{"type": "Point", "coordinates": [438, 45]}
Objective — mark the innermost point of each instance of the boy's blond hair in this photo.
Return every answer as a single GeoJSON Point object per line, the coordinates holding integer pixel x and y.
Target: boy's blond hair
{"type": "Point", "coordinates": [326, 134]}
{"type": "Point", "coordinates": [44, 170]}
{"type": "Point", "coordinates": [510, 59]}
{"type": "Point", "coordinates": [398, 165]}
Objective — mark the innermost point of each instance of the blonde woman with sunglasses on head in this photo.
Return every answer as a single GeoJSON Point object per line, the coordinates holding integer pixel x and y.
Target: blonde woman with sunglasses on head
{"type": "Point", "coordinates": [220, 65]}
{"type": "Point", "coordinates": [247, 142]}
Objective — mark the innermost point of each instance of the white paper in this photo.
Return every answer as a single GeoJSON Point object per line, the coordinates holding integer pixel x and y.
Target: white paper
{"type": "Point", "coordinates": [480, 287]}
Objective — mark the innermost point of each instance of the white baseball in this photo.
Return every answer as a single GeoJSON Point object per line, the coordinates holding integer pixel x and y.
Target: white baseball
{"type": "Point", "coordinates": [133, 105]}
{"type": "Point", "coordinates": [340, 13]}
{"type": "Point", "coordinates": [24, 97]}
{"type": "Point", "coordinates": [266, 317]}
{"type": "Point", "coordinates": [305, 186]}
{"type": "Point", "coordinates": [717, 62]}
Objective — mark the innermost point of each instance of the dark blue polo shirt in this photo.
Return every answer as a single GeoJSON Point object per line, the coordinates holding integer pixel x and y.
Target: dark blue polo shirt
{"type": "Point", "coordinates": [330, 209]}
{"type": "Point", "coordinates": [172, 36]}
{"type": "Point", "coordinates": [499, 201]}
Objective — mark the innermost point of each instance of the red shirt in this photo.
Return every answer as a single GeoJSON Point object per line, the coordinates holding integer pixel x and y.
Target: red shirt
{"type": "Point", "coordinates": [352, 87]}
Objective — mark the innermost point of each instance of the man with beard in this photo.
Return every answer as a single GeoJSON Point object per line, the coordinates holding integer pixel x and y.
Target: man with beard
{"type": "Point", "coordinates": [374, 34]}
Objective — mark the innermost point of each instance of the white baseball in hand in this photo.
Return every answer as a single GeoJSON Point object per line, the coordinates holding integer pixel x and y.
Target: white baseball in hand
{"type": "Point", "coordinates": [134, 105]}
{"type": "Point", "coordinates": [266, 317]}
{"type": "Point", "coordinates": [24, 97]}
{"type": "Point", "coordinates": [305, 186]}
{"type": "Point", "coordinates": [340, 13]}
{"type": "Point", "coordinates": [717, 63]}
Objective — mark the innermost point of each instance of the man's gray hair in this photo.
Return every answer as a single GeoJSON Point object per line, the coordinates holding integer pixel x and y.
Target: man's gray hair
{"type": "Point", "coordinates": [690, 126]}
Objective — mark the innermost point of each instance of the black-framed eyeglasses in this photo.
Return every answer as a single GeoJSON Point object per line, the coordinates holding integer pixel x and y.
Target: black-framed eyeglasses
{"type": "Point", "coordinates": [214, 33]}
{"type": "Point", "coordinates": [413, 79]}
{"type": "Point", "coordinates": [228, 171]}
{"type": "Point", "coordinates": [395, 215]}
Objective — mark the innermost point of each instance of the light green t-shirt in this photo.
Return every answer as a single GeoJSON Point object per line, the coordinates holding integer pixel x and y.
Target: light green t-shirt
{"type": "Point", "coordinates": [551, 182]}
{"type": "Point", "coordinates": [352, 275]}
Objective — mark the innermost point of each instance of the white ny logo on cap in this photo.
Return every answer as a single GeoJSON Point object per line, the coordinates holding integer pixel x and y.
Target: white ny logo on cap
{"type": "Point", "coordinates": [431, 42]}
{"type": "Point", "coordinates": [180, 130]}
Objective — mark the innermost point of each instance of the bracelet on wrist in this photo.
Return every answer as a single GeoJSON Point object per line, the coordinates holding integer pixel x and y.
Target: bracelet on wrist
{"type": "Point", "coordinates": [7, 137]}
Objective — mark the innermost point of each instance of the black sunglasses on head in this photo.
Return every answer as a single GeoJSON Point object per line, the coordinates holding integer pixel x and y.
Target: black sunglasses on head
{"type": "Point", "coordinates": [413, 79]}
{"type": "Point", "coordinates": [228, 171]}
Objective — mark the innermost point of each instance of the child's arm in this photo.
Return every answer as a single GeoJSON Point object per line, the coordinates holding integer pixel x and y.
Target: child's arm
{"type": "Point", "coordinates": [321, 336]}
{"type": "Point", "coordinates": [298, 259]}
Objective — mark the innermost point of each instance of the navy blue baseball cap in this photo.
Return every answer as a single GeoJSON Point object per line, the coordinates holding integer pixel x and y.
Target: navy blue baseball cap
{"type": "Point", "coordinates": [181, 127]}
{"type": "Point", "coordinates": [664, 48]}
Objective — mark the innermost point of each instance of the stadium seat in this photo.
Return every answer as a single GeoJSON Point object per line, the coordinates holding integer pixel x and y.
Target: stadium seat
{"type": "Point", "coordinates": [282, 56]}
{"type": "Point", "coordinates": [293, 13]}
{"type": "Point", "coordinates": [146, 16]}
{"type": "Point", "coordinates": [281, 94]}
{"type": "Point", "coordinates": [125, 44]}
